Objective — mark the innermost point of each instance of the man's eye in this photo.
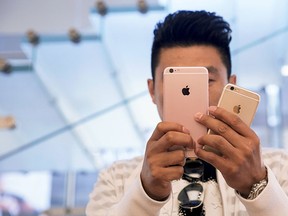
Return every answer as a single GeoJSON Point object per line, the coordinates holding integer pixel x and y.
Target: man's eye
{"type": "Point", "coordinates": [211, 80]}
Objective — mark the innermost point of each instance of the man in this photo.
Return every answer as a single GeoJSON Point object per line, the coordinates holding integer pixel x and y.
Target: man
{"type": "Point", "coordinates": [239, 181]}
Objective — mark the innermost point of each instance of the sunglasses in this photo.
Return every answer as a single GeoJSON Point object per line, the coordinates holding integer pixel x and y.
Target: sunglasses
{"type": "Point", "coordinates": [192, 196]}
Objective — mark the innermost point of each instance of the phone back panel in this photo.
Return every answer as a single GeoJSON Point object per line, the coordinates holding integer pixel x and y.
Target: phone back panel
{"type": "Point", "coordinates": [240, 101]}
{"type": "Point", "coordinates": [185, 92]}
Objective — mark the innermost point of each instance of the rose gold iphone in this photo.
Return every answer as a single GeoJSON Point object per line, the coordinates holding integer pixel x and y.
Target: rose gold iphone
{"type": "Point", "coordinates": [239, 101]}
{"type": "Point", "coordinates": [185, 92]}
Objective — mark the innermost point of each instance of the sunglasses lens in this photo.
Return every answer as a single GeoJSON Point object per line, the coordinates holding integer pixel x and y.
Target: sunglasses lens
{"type": "Point", "coordinates": [193, 168]}
{"type": "Point", "coordinates": [191, 204]}
{"type": "Point", "coordinates": [191, 196]}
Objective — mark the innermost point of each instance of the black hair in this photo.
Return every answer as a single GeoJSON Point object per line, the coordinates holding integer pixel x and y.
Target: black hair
{"type": "Point", "coordinates": [188, 28]}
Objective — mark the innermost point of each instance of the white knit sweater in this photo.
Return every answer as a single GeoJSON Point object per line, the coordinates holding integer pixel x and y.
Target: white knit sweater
{"type": "Point", "coordinates": [118, 191]}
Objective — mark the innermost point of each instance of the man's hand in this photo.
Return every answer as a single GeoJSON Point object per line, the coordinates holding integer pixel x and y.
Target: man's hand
{"type": "Point", "coordinates": [164, 159]}
{"type": "Point", "coordinates": [240, 163]}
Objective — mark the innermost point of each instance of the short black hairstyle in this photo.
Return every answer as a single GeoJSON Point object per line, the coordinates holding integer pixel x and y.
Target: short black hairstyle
{"type": "Point", "coordinates": [188, 28]}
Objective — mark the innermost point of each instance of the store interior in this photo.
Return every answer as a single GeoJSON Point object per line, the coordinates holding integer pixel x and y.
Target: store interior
{"type": "Point", "coordinates": [73, 90]}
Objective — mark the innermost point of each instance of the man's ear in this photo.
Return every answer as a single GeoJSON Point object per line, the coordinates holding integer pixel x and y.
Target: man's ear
{"type": "Point", "coordinates": [150, 84]}
{"type": "Point", "coordinates": [233, 79]}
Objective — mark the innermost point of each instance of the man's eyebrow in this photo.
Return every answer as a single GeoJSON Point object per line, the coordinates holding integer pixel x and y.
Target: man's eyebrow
{"type": "Point", "coordinates": [212, 69]}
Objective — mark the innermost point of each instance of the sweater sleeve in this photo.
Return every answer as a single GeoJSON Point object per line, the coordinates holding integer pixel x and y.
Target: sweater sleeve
{"type": "Point", "coordinates": [271, 201]}
{"type": "Point", "coordinates": [110, 198]}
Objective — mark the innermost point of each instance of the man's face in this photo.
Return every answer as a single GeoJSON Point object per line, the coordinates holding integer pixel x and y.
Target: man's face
{"type": "Point", "coordinates": [197, 55]}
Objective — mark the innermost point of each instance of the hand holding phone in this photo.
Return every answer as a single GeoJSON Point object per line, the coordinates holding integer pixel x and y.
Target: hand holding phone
{"type": "Point", "coordinates": [185, 92]}
{"type": "Point", "coordinates": [241, 102]}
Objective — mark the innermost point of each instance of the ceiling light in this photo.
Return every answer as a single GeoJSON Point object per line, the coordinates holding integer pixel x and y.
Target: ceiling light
{"type": "Point", "coordinates": [7, 122]}
{"type": "Point", "coordinates": [101, 8]}
{"type": "Point", "coordinates": [33, 37]}
{"type": "Point", "coordinates": [142, 6]}
{"type": "Point", "coordinates": [5, 67]}
{"type": "Point", "coordinates": [284, 70]}
{"type": "Point", "coordinates": [74, 35]}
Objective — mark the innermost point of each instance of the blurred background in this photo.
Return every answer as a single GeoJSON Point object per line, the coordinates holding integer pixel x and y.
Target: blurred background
{"type": "Point", "coordinates": [73, 95]}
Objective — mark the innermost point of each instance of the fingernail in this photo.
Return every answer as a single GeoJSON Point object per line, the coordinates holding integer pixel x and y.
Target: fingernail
{"type": "Point", "coordinates": [212, 108]}
{"type": "Point", "coordinates": [185, 130]}
{"type": "Point", "coordinates": [198, 116]}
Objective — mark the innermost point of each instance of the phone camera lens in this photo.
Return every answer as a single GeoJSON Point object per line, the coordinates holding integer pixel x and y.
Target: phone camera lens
{"type": "Point", "coordinates": [171, 70]}
{"type": "Point", "coordinates": [232, 88]}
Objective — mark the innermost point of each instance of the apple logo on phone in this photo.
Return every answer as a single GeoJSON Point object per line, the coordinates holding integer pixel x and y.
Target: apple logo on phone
{"type": "Point", "coordinates": [236, 109]}
{"type": "Point", "coordinates": [186, 90]}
